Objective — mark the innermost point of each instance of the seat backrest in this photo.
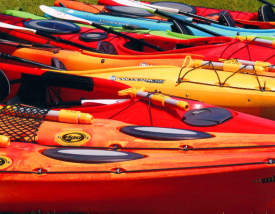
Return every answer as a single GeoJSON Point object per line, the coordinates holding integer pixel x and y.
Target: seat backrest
{"type": "Point", "coordinates": [266, 13]}
{"type": "Point", "coordinates": [58, 64]}
{"type": "Point", "coordinates": [225, 18]}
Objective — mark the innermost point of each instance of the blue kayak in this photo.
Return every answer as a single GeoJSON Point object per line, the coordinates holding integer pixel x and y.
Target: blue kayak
{"type": "Point", "coordinates": [164, 25]}
{"type": "Point", "coordinates": [118, 21]}
{"type": "Point", "coordinates": [225, 30]}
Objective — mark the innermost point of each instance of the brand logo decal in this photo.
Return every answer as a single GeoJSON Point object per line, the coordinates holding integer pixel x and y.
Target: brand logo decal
{"type": "Point", "coordinates": [73, 138]}
{"type": "Point", "coordinates": [5, 162]}
{"type": "Point", "coordinates": [137, 79]}
{"type": "Point", "coordinates": [266, 180]}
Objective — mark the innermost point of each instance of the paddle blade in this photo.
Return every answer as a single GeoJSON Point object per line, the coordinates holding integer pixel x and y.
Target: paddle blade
{"type": "Point", "coordinates": [60, 15]}
{"type": "Point", "coordinates": [149, 7]}
{"type": "Point", "coordinates": [14, 27]}
{"type": "Point", "coordinates": [135, 4]}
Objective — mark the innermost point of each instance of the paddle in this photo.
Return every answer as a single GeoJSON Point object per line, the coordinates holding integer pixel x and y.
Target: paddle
{"type": "Point", "coordinates": [60, 15]}
{"type": "Point", "coordinates": [18, 59]}
{"type": "Point", "coordinates": [57, 39]}
{"type": "Point", "coordinates": [133, 3]}
{"type": "Point", "coordinates": [160, 10]}
{"type": "Point", "coordinates": [268, 3]}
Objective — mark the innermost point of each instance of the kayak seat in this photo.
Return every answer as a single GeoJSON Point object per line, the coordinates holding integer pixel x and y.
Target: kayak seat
{"type": "Point", "coordinates": [4, 86]}
{"type": "Point", "coordinates": [58, 64]}
{"type": "Point", "coordinates": [204, 117]}
{"type": "Point", "coordinates": [34, 90]}
{"type": "Point", "coordinates": [134, 46]}
{"type": "Point", "coordinates": [180, 27]}
{"type": "Point", "coordinates": [180, 6]}
{"type": "Point", "coordinates": [266, 13]}
{"type": "Point", "coordinates": [226, 19]}
{"type": "Point", "coordinates": [106, 47]}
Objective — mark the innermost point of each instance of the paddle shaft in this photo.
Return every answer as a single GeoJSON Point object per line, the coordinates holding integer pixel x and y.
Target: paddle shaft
{"type": "Point", "coordinates": [58, 39]}
{"type": "Point", "coordinates": [187, 23]}
{"type": "Point", "coordinates": [110, 30]}
{"type": "Point", "coordinates": [199, 17]}
{"type": "Point", "coordinates": [7, 56]}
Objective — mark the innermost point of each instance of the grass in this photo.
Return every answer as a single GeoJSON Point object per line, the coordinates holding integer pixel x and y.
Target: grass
{"type": "Point", "coordinates": [242, 5]}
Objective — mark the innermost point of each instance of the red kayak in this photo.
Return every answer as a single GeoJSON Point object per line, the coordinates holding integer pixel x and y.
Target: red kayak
{"type": "Point", "coordinates": [264, 18]}
{"type": "Point", "coordinates": [39, 87]}
{"type": "Point", "coordinates": [108, 166]}
{"type": "Point", "coordinates": [210, 47]}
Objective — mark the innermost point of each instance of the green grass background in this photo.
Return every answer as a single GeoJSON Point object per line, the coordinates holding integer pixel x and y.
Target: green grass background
{"type": "Point", "coordinates": [242, 5]}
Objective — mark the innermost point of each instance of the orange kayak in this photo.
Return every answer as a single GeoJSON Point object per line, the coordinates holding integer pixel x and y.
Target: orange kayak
{"type": "Point", "coordinates": [114, 167]}
{"type": "Point", "coordinates": [113, 100]}
{"type": "Point", "coordinates": [85, 60]}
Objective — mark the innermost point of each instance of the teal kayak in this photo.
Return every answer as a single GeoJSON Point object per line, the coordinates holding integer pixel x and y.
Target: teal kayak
{"type": "Point", "coordinates": [166, 26]}
{"type": "Point", "coordinates": [168, 33]}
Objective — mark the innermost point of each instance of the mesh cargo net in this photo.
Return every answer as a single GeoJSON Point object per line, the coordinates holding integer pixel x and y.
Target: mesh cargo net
{"type": "Point", "coordinates": [21, 122]}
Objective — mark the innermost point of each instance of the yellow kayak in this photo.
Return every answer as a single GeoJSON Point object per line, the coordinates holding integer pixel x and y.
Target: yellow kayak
{"type": "Point", "coordinates": [243, 87]}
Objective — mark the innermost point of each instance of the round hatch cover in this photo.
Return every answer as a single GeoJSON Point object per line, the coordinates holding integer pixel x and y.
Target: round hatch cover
{"type": "Point", "coordinates": [86, 155]}
{"type": "Point", "coordinates": [211, 116]}
{"type": "Point", "coordinates": [162, 133]}
{"type": "Point", "coordinates": [93, 36]}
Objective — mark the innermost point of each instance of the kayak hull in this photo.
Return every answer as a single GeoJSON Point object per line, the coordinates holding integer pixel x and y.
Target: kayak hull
{"type": "Point", "coordinates": [241, 188]}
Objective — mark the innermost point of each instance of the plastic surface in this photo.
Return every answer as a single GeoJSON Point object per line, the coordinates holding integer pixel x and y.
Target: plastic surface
{"type": "Point", "coordinates": [4, 86]}
{"type": "Point", "coordinates": [93, 36]}
{"type": "Point", "coordinates": [52, 26]}
{"type": "Point", "coordinates": [207, 116]}
{"type": "Point", "coordinates": [161, 133]}
{"type": "Point", "coordinates": [92, 156]}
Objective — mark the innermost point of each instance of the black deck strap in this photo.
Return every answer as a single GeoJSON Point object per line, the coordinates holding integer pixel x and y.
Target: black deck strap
{"type": "Point", "coordinates": [58, 64]}
{"type": "Point", "coordinates": [4, 86]}
{"type": "Point", "coordinates": [163, 133]}
{"type": "Point", "coordinates": [93, 36]}
{"type": "Point", "coordinates": [204, 117]}
{"type": "Point", "coordinates": [53, 26]}
{"type": "Point", "coordinates": [180, 6]}
{"type": "Point", "coordinates": [128, 11]}
{"type": "Point", "coordinates": [266, 13]}
{"type": "Point", "coordinates": [89, 155]}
